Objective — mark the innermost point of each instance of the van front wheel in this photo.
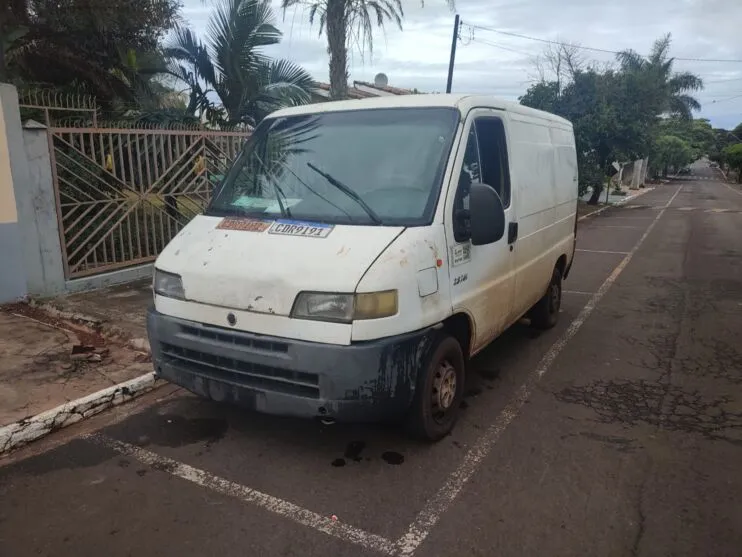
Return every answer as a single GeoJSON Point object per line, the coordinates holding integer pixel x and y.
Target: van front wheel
{"type": "Point", "coordinates": [545, 314]}
{"type": "Point", "coordinates": [440, 388]}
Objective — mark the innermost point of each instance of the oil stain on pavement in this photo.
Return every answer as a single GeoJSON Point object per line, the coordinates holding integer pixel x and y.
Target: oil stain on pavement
{"type": "Point", "coordinates": [663, 406]}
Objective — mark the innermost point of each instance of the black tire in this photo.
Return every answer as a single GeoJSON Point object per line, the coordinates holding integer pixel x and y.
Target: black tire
{"type": "Point", "coordinates": [436, 406]}
{"type": "Point", "coordinates": [545, 314]}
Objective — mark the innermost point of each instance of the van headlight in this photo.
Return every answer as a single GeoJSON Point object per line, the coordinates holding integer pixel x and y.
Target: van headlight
{"type": "Point", "coordinates": [169, 285]}
{"type": "Point", "coordinates": [345, 308]}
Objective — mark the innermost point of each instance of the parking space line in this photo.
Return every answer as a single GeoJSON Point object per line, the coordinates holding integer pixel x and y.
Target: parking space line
{"type": "Point", "coordinates": [603, 251]}
{"type": "Point", "coordinates": [613, 217]}
{"type": "Point", "coordinates": [442, 500]}
{"type": "Point", "coordinates": [578, 292]}
{"type": "Point", "coordinates": [275, 505]}
{"type": "Point", "coordinates": [617, 226]}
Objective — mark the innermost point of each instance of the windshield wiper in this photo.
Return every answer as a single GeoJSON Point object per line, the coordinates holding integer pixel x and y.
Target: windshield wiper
{"type": "Point", "coordinates": [349, 192]}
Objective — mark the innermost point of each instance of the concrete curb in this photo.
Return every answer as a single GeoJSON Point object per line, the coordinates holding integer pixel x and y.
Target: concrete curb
{"type": "Point", "coordinates": [24, 431]}
{"type": "Point", "coordinates": [617, 203]}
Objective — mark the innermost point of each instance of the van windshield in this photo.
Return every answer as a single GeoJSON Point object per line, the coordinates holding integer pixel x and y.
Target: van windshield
{"type": "Point", "coordinates": [376, 166]}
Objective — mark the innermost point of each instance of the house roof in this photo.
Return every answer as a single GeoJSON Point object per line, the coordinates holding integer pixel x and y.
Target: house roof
{"type": "Point", "coordinates": [363, 90]}
{"type": "Point", "coordinates": [323, 90]}
{"type": "Point", "coordinates": [385, 89]}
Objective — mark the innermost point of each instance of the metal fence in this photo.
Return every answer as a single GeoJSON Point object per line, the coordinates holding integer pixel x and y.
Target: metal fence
{"type": "Point", "coordinates": [123, 193]}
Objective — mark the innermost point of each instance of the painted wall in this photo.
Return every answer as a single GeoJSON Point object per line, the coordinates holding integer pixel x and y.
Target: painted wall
{"type": "Point", "coordinates": [37, 215]}
{"type": "Point", "coordinates": [31, 258]}
{"type": "Point", "coordinates": [13, 172]}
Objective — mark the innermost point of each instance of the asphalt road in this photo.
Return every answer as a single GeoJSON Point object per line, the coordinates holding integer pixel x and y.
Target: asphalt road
{"type": "Point", "coordinates": [617, 433]}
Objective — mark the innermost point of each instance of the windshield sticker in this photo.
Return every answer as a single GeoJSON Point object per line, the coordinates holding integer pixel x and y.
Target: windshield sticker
{"type": "Point", "coordinates": [460, 254]}
{"type": "Point", "coordinates": [245, 225]}
{"type": "Point", "coordinates": [299, 228]}
{"type": "Point", "coordinates": [264, 204]}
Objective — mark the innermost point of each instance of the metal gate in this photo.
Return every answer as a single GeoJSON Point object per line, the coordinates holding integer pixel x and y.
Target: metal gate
{"type": "Point", "coordinates": [123, 193]}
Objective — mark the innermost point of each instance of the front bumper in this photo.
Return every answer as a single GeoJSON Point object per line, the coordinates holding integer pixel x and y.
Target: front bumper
{"type": "Point", "coordinates": [365, 381]}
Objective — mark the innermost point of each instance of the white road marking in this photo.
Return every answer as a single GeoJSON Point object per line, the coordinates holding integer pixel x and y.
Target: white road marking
{"type": "Point", "coordinates": [602, 251]}
{"type": "Point", "coordinates": [275, 505]}
{"type": "Point", "coordinates": [738, 192]}
{"type": "Point", "coordinates": [579, 292]}
{"type": "Point", "coordinates": [442, 500]}
{"type": "Point", "coordinates": [616, 226]}
{"type": "Point", "coordinates": [613, 217]}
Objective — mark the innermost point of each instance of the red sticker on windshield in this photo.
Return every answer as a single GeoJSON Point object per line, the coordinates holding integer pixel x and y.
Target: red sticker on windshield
{"type": "Point", "coordinates": [246, 225]}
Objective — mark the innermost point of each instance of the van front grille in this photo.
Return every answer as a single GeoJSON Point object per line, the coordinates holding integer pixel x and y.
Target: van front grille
{"type": "Point", "coordinates": [232, 338]}
{"type": "Point", "coordinates": [240, 373]}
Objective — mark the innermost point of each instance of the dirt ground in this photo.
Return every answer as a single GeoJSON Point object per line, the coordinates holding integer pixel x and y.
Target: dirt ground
{"type": "Point", "coordinates": [118, 310]}
{"type": "Point", "coordinates": [38, 370]}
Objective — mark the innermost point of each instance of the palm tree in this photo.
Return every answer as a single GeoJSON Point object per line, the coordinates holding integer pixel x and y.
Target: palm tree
{"type": "Point", "coordinates": [231, 64]}
{"type": "Point", "coordinates": [671, 89]}
{"type": "Point", "coordinates": [348, 22]}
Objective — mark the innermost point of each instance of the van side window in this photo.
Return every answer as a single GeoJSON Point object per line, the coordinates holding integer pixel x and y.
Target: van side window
{"type": "Point", "coordinates": [470, 173]}
{"type": "Point", "coordinates": [485, 161]}
{"type": "Point", "coordinates": [494, 156]}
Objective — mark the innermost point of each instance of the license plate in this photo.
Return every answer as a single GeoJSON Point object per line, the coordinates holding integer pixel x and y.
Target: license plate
{"type": "Point", "coordinates": [299, 228]}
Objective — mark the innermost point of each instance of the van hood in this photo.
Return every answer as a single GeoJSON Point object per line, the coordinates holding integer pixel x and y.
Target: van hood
{"type": "Point", "coordinates": [261, 265]}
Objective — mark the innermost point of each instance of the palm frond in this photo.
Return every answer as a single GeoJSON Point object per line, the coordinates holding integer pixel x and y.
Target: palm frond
{"type": "Point", "coordinates": [289, 82]}
{"type": "Point", "coordinates": [364, 15]}
{"type": "Point", "coordinates": [660, 49]}
{"type": "Point", "coordinates": [236, 31]}
{"type": "Point", "coordinates": [683, 106]}
{"type": "Point", "coordinates": [685, 81]}
{"type": "Point", "coordinates": [631, 60]}
{"type": "Point", "coordinates": [185, 46]}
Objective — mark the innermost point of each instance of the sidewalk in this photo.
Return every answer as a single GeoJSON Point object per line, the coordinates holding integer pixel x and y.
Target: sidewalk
{"type": "Point", "coordinates": [584, 210]}
{"type": "Point", "coordinates": [54, 372]}
{"type": "Point", "coordinates": [117, 312]}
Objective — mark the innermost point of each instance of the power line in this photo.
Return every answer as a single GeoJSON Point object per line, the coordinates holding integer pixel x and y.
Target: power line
{"type": "Point", "coordinates": [726, 100]}
{"type": "Point", "coordinates": [472, 38]}
{"type": "Point", "coordinates": [547, 41]}
{"type": "Point", "coordinates": [724, 80]}
{"type": "Point", "coordinates": [495, 45]}
{"type": "Point", "coordinates": [593, 49]}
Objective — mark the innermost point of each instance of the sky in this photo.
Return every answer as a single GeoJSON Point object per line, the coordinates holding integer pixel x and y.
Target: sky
{"type": "Point", "coordinates": [493, 63]}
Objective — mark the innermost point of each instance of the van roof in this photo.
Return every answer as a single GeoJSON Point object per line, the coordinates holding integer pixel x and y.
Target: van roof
{"type": "Point", "coordinates": [463, 102]}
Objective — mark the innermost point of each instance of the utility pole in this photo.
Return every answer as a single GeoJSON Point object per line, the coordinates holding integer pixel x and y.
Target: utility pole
{"type": "Point", "coordinates": [454, 40]}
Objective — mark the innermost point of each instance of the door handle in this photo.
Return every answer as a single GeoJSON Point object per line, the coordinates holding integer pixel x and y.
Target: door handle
{"type": "Point", "coordinates": [512, 232]}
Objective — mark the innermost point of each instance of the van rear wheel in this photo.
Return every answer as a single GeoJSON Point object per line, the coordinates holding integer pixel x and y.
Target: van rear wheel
{"type": "Point", "coordinates": [440, 388]}
{"type": "Point", "coordinates": [545, 314]}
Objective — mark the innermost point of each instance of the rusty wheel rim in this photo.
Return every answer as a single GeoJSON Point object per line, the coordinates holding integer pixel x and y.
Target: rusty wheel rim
{"type": "Point", "coordinates": [444, 389]}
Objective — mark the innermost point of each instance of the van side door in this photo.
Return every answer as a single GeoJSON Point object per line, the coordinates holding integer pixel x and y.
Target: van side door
{"type": "Point", "coordinates": [482, 282]}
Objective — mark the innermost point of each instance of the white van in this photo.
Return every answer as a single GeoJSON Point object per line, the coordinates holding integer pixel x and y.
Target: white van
{"type": "Point", "coordinates": [358, 253]}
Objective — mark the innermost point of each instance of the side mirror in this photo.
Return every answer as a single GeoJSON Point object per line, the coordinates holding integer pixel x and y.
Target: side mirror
{"type": "Point", "coordinates": [486, 215]}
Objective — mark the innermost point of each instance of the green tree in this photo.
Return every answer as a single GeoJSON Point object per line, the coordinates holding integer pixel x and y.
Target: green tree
{"type": "Point", "coordinates": [616, 113]}
{"type": "Point", "coordinates": [80, 44]}
{"type": "Point", "coordinates": [733, 156]}
{"type": "Point", "coordinates": [232, 65]}
{"type": "Point", "coordinates": [698, 133]}
{"type": "Point", "coordinates": [610, 121]}
{"type": "Point", "coordinates": [672, 152]}
{"type": "Point", "coordinates": [722, 139]}
{"type": "Point", "coordinates": [669, 92]}
{"type": "Point", "coordinates": [348, 22]}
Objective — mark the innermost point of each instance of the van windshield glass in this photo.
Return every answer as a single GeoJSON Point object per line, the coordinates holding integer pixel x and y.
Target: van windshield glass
{"type": "Point", "coordinates": [366, 167]}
